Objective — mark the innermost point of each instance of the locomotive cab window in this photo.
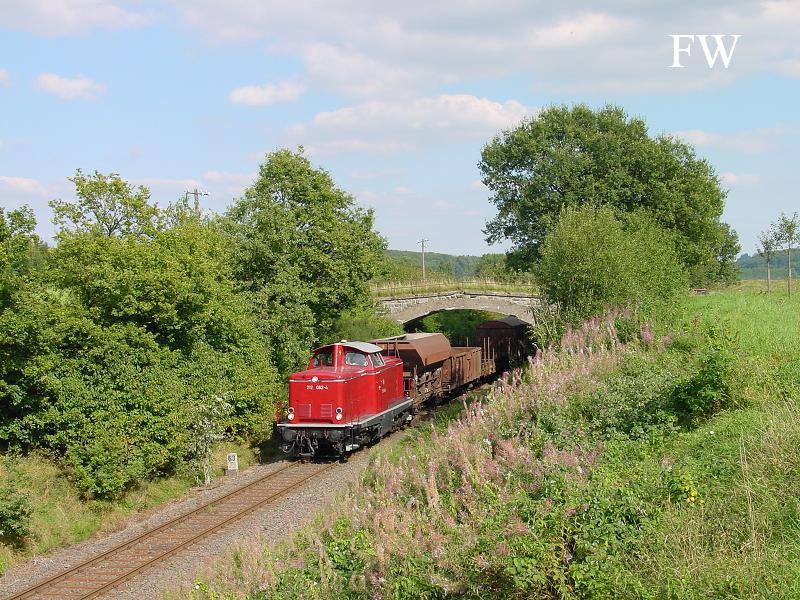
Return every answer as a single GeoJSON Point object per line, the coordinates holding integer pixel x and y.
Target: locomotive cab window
{"type": "Point", "coordinates": [377, 359]}
{"type": "Point", "coordinates": [355, 359]}
{"type": "Point", "coordinates": [323, 359]}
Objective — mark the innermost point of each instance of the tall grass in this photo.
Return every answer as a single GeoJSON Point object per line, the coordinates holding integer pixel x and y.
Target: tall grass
{"type": "Point", "coordinates": [661, 468]}
{"type": "Point", "coordinates": [475, 511]}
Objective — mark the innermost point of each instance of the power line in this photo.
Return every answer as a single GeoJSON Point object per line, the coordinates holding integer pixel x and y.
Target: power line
{"type": "Point", "coordinates": [423, 241]}
{"type": "Point", "coordinates": [196, 193]}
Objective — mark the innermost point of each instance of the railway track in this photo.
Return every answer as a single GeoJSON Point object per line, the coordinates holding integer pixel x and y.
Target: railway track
{"type": "Point", "coordinates": [103, 572]}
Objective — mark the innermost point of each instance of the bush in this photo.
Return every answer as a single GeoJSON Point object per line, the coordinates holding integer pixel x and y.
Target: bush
{"type": "Point", "coordinates": [15, 513]}
{"type": "Point", "coordinates": [710, 388]}
{"type": "Point", "coordinates": [592, 260]}
{"type": "Point", "coordinates": [364, 324]}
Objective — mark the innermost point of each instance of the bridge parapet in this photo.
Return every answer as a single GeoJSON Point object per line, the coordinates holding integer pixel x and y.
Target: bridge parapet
{"type": "Point", "coordinates": [407, 308]}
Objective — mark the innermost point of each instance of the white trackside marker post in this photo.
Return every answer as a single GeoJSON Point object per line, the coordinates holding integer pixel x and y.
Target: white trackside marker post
{"type": "Point", "coordinates": [233, 464]}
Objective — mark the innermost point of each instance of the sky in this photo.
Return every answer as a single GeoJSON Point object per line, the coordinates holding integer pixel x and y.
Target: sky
{"type": "Point", "coordinates": [394, 99]}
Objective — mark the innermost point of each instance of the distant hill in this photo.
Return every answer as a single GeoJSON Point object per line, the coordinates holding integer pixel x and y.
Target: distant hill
{"type": "Point", "coordinates": [407, 264]}
{"type": "Point", "coordinates": [754, 267]}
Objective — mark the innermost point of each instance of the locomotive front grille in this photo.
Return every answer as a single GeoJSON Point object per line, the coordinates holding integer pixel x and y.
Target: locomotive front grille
{"type": "Point", "coordinates": [304, 411]}
{"type": "Point", "coordinates": [325, 410]}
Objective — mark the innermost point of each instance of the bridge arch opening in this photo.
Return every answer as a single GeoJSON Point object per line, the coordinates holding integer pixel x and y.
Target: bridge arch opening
{"type": "Point", "coordinates": [408, 309]}
{"type": "Point", "coordinates": [458, 324]}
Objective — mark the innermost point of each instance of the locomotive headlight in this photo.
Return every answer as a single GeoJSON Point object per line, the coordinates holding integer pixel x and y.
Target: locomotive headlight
{"type": "Point", "coordinates": [338, 414]}
{"type": "Point", "coordinates": [291, 413]}
{"type": "Point", "coordinates": [338, 417]}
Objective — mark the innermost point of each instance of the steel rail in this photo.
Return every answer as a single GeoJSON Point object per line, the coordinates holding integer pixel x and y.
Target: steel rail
{"type": "Point", "coordinates": [129, 572]}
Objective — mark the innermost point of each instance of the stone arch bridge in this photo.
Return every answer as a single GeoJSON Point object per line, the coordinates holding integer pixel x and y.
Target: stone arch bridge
{"type": "Point", "coordinates": [408, 308]}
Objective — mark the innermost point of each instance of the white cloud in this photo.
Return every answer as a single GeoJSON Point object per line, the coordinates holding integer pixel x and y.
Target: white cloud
{"type": "Point", "coordinates": [170, 185]}
{"type": "Point", "coordinates": [790, 67]}
{"type": "Point", "coordinates": [70, 89]}
{"type": "Point", "coordinates": [375, 174]}
{"type": "Point", "coordinates": [4, 77]}
{"type": "Point", "coordinates": [243, 179]}
{"type": "Point", "coordinates": [216, 185]}
{"type": "Point", "coordinates": [368, 50]}
{"type": "Point", "coordinates": [268, 93]}
{"type": "Point", "coordinates": [586, 28]}
{"type": "Point", "coordinates": [61, 17]}
{"type": "Point", "coordinates": [232, 183]}
{"type": "Point", "coordinates": [354, 74]}
{"type": "Point", "coordinates": [328, 147]}
{"type": "Point", "coordinates": [733, 179]}
{"type": "Point", "coordinates": [753, 141]}
{"type": "Point", "coordinates": [23, 185]}
{"type": "Point", "coordinates": [394, 126]}
{"type": "Point", "coordinates": [698, 137]}
{"type": "Point", "coordinates": [478, 186]}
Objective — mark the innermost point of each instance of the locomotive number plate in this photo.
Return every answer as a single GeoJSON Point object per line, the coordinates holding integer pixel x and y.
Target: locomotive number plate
{"type": "Point", "coordinates": [316, 387]}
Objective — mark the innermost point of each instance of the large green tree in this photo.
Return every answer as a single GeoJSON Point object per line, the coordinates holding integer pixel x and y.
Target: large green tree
{"type": "Point", "coordinates": [305, 250]}
{"type": "Point", "coordinates": [108, 205]}
{"type": "Point", "coordinates": [21, 250]}
{"type": "Point", "coordinates": [135, 326]}
{"type": "Point", "coordinates": [575, 156]}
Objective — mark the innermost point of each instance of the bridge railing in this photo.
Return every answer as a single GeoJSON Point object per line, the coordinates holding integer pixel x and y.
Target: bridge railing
{"type": "Point", "coordinates": [393, 289]}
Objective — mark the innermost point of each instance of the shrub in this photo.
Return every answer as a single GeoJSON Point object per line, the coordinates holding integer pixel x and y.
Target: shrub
{"type": "Point", "coordinates": [710, 388]}
{"type": "Point", "coordinates": [364, 324]}
{"type": "Point", "coordinates": [592, 260]}
{"type": "Point", "coordinates": [15, 513]}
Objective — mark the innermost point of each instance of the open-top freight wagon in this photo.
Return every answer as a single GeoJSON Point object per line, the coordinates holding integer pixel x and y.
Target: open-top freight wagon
{"type": "Point", "coordinates": [504, 341]}
{"type": "Point", "coordinates": [353, 393]}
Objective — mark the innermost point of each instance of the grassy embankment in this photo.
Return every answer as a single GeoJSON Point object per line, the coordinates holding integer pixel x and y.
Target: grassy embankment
{"type": "Point", "coordinates": [437, 284]}
{"type": "Point", "coordinates": [667, 467]}
{"type": "Point", "coordinates": [59, 516]}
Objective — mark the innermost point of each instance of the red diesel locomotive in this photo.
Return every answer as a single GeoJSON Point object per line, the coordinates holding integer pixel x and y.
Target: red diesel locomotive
{"type": "Point", "coordinates": [353, 393]}
{"type": "Point", "coordinates": [349, 395]}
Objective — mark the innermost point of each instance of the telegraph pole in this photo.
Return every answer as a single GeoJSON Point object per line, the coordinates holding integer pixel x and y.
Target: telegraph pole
{"type": "Point", "coordinates": [196, 193]}
{"type": "Point", "coordinates": [422, 242]}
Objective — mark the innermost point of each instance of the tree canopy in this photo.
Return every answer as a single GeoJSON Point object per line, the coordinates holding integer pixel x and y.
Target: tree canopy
{"type": "Point", "coordinates": [106, 204]}
{"type": "Point", "coordinates": [304, 249]}
{"type": "Point", "coordinates": [131, 328]}
{"type": "Point", "coordinates": [569, 157]}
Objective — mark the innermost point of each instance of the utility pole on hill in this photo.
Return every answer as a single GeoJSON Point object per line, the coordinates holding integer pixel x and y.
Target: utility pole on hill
{"type": "Point", "coordinates": [423, 241]}
{"type": "Point", "coordinates": [196, 193]}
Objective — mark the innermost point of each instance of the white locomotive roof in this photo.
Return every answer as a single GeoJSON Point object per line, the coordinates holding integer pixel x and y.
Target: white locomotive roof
{"type": "Point", "coordinates": [363, 346]}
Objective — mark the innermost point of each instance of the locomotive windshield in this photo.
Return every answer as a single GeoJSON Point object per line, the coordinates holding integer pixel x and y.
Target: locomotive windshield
{"type": "Point", "coordinates": [356, 359]}
{"type": "Point", "coordinates": [323, 359]}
